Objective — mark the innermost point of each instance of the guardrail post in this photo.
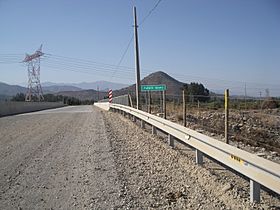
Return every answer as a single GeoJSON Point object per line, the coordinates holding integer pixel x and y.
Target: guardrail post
{"type": "Point", "coordinates": [170, 140]}
{"type": "Point", "coordinates": [133, 118]}
{"type": "Point", "coordinates": [154, 130]}
{"type": "Point", "coordinates": [198, 157]}
{"type": "Point", "coordinates": [142, 124]}
{"type": "Point", "coordinates": [255, 190]}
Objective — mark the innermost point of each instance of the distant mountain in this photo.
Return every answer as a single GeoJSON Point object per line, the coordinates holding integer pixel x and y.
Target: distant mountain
{"type": "Point", "coordinates": [84, 94]}
{"type": "Point", "coordinates": [57, 88]}
{"type": "Point", "coordinates": [174, 87]}
{"type": "Point", "coordinates": [6, 90]}
{"type": "Point", "coordinates": [11, 90]}
{"type": "Point", "coordinates": [102, 85]}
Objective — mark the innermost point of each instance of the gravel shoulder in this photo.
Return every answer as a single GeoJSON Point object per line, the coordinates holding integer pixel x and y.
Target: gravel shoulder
{"type": "Point", "coordinates": [157, 176]}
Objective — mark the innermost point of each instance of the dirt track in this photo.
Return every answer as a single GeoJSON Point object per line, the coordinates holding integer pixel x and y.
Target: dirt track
{"type": "Point", "coordinates": [84, 158]}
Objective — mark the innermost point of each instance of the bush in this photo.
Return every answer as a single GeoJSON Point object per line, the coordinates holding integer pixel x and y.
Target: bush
{"type": "Point", "coordinates": [270, 103]}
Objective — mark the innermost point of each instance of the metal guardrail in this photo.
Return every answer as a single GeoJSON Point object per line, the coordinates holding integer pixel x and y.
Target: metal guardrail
{"type": "Point", "coordinates": [123, 99]}
{"type": "Point", "coordinates": [259, 170]}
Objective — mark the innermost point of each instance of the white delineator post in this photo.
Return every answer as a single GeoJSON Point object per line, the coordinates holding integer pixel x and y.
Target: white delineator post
{"type": "Point", "coordinates": [110, 96]}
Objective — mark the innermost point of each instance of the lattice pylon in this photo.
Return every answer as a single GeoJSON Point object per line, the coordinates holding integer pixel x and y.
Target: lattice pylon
{"type": "Point", "coordinates": [34, 89]}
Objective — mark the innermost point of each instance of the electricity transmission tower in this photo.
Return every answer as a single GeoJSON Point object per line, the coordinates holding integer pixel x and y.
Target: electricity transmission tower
{"type": "Point", "coordinates": [34, 91]}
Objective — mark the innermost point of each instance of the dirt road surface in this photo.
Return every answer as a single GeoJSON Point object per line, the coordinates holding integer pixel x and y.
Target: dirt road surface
{"type": "Point", "coordinates": [84, 158]}
{"type": "Point", "coordinates": [58, 159]}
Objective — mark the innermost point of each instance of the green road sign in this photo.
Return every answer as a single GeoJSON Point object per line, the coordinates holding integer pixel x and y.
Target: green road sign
{"type": "Point", "coordinates": [153, 87]}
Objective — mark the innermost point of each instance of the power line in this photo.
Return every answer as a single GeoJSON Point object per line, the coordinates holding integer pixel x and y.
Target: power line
{"type": "Point", "coordinates": [123, 55]}
{"type": "Point", "coordinates": [150, 12]}
{"type": "Point", "coordinates": [82, 65]}
{"type": "Point", "coordinates": [130, 41]}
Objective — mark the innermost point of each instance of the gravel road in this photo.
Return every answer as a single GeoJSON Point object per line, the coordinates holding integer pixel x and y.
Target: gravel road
{"type": "Point", "coordinates": [57, 159]}
{"type": "Point", "coordinates": [85, 158]}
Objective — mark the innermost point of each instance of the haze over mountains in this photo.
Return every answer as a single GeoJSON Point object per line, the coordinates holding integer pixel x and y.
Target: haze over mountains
{"type": "Point", "coordinates": [88, 91]}
{"type": "Point", "coordinates": [102, 85]}
{"type": "Point", "coordinates": [50, 87]}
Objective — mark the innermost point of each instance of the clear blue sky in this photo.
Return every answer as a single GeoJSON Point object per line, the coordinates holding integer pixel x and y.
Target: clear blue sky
{"type": "Point", "coordinates": [219, 43]}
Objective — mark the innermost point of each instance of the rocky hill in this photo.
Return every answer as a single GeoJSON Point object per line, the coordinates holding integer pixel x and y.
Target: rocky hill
{"type": "Point", "coordinates": [173, 86]}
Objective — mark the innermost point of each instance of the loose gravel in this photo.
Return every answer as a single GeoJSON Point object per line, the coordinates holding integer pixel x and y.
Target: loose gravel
{"type": "Point", "coordinates": [155, 176]}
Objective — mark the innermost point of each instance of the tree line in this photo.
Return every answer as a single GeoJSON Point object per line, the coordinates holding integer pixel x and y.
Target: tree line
{"type": "Point", "coordinates": [55, 98]}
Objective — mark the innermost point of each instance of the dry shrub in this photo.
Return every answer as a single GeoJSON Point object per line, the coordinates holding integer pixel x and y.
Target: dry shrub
{"type": "Point", "coordinates": [269, 103]}
{"type": "Point", "coordinates": [179, 117]}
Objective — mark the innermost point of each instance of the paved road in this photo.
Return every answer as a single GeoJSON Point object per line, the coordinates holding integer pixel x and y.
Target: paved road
{"type": "Point", "coordinates": [58, 159]}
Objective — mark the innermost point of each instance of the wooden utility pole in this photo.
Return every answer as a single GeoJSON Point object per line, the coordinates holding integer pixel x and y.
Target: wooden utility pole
{"type": "Point", "coordinates": [137, 62]}
{"type": "Point", "coordinates": [184, 108]}
{"type": "Point", "coordinates": [226, 115]}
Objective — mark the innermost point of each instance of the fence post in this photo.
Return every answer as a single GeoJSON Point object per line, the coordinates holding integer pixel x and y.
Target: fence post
{"type": "Point", "coordinates": [147, 102]}
{"type": "Point", "coordinates": [226, 115]}
{"type": "Point", "coordinates": [184, 108]}
{"type": "Point", "coordinates": [150, 99]}
{"type": "Point", "coordinates": [164, 103]}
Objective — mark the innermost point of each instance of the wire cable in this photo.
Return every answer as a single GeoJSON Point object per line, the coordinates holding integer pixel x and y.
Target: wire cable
{"type": "Point", "coordinates": [149, 13]}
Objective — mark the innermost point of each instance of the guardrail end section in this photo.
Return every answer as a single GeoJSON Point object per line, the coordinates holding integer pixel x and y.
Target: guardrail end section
{"type": "Point", "coordinates": [255, 191]}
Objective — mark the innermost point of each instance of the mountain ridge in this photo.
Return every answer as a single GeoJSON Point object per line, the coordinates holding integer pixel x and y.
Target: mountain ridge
{"type": "Point", "coordinates": [102, 85]}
